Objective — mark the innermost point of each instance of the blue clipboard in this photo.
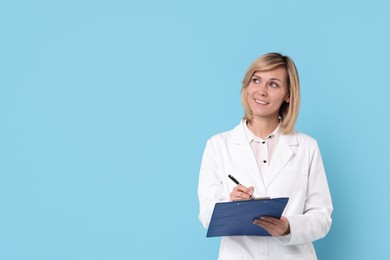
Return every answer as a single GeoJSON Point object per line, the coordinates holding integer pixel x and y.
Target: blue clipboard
{"type": "Point", "coordinates": [236, 218]}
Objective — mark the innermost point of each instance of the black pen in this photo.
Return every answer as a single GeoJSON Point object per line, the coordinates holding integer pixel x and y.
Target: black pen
{"type": "Point", "coordinates": [238, 183]}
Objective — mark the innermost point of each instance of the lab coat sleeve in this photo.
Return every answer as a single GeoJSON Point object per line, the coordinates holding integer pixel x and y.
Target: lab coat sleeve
{"type": "Point", "coordinates": [210, 187]}
{"type": "Point", "coordinates": [316, 220]}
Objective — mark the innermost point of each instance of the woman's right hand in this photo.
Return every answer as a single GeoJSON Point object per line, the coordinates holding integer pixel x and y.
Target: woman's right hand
{"type": "Point", "coordinates": [241, 192]}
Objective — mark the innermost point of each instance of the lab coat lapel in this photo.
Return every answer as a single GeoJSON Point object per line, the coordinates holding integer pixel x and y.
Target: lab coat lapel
{"type": "Point", "coordinates": [244, 151]}
{"type": "Point", "coordinates": [284, 151]}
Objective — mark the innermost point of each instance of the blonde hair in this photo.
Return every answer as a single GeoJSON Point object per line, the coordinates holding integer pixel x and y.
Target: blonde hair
{"type": "Point", "coordinates": [288, 112]}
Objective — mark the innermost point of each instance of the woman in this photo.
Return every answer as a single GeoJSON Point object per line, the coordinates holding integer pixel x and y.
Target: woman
{"type": "Point", "coordinates": [269, 159]}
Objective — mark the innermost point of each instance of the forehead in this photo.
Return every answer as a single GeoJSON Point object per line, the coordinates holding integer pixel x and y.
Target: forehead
{"type": "Point", "coordinates": [277, 73]}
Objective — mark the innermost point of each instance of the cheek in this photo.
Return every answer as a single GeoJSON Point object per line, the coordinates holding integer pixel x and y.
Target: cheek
{"type": "Point", "coordinates": [249, 91]}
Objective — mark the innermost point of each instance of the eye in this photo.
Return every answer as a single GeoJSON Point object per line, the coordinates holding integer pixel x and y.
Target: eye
{"type": "Point", "coordinates": [273, 84]}
{"type": "Point", "coordinates": [256, 80]}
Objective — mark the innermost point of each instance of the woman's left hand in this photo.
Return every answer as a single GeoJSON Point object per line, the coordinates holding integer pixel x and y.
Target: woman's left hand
{"type": "Point", "coordinates": [276, 227]}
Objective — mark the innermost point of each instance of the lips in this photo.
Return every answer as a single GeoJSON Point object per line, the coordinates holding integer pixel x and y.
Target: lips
{"type": "Point", "coordinates": [261, 102]}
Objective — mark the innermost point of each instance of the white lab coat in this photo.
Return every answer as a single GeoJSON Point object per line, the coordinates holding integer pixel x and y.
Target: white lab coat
{"type": "Point", "coordinates": [296, 171]}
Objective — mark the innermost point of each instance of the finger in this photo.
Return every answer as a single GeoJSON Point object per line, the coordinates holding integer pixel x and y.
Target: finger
{"type": "Point", "coordinates": [274, 226]}
{"type": "Point", "coordinates": [241, 192]}
{"type": "Point", "coordinates": [240, 195]}
{"type": "Point", "coordinates": [266, 225]}
{"type": "Point", "coordinates": [271, 220]}
{"type": "Point", "coordinates": [246, 190]}
{"type": "Point", "coordinates": [284, 219]}
{"type": "Point", "coordinates": [250, 190]}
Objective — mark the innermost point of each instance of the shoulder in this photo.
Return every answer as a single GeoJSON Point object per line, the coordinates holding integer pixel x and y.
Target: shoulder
{"type": "Point", "coordinates": [227, 136]}
{"type": "Point", "coordinates": [303, 139]}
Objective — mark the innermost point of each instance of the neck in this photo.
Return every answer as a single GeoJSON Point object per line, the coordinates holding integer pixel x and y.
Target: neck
{"type": "Point", "coordinates": [263, 128]}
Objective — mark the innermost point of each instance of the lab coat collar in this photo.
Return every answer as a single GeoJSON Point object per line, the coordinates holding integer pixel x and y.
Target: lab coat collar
{"type": "Point", "coordinates": [238, 133]}
{"type": "Point", "coordinates": [285, 148]}
{"type": "Point", "coordinates": [250, 136]}
{"type": "Point", "coordinates": [239, 136]}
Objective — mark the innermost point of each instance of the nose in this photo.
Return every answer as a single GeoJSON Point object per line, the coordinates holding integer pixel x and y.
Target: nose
{"type": "Point", "coordinates": [262, 91]}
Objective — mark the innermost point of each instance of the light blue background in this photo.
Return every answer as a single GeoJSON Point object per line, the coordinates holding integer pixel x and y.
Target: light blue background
{"type": "Point", "coordinates": [105, 108]}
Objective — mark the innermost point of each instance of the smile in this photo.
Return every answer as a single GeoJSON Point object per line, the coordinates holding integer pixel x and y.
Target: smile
{"type": "Point", "coordinates": [261, 102]}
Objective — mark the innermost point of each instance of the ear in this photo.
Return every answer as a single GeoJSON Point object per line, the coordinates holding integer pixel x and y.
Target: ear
{"type": "Point", "coordinates": [287, 99]}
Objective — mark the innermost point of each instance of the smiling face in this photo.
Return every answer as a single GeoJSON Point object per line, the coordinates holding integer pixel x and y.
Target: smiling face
{"type": "Point", "coordinates": [281, 69]}
{"type": "Point", "coordinates": [266, 92]}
